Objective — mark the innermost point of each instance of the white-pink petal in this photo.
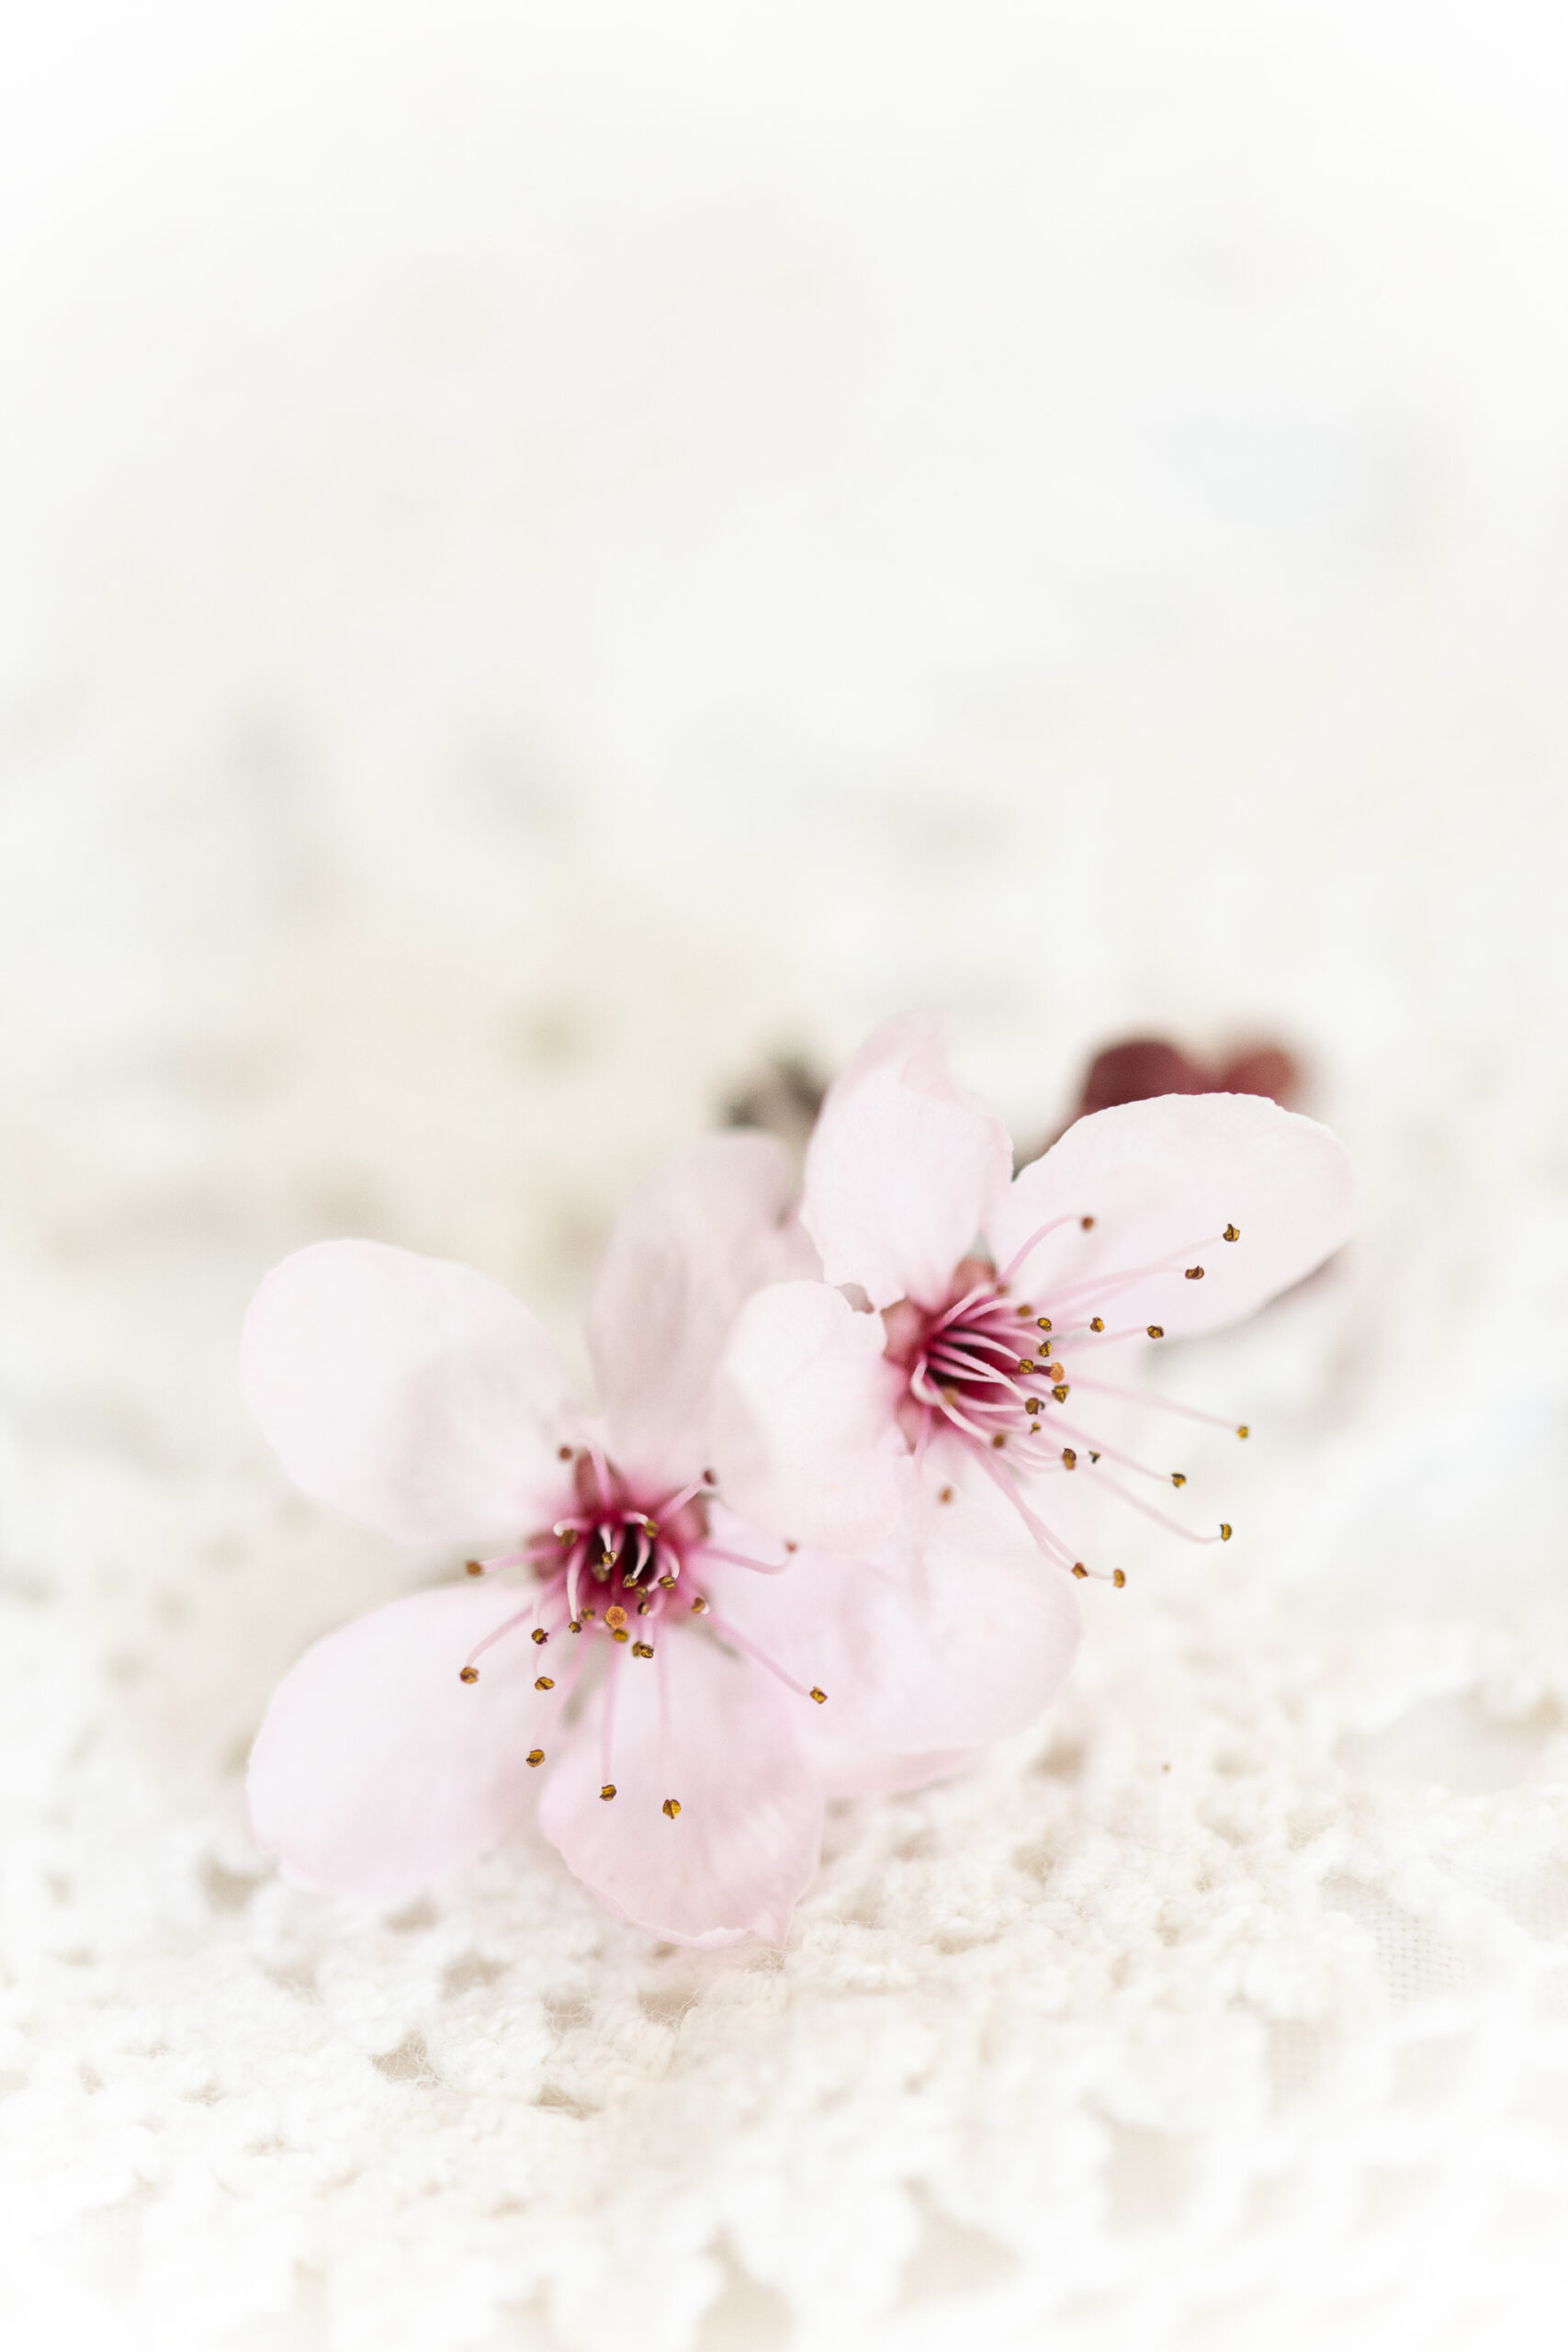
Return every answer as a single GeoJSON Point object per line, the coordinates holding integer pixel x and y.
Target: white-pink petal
{"type": "Point", "coordinates": [804, 1429]}
{"type": "Point", "coordinates": [1161, 1181]}
{"type": "Point", "coordinates": [713, 1733]}
{"type": "Point", "coordinates": [903, 1169]}
{"type": "Point", "coordinates": [692, 1242]}
{"type": "Point", "coordinates": [409, 1392]}
{"type": "Point", "coordinates": [956, 1634]}
{"type": "Point", "coordinates": [375, 1769]}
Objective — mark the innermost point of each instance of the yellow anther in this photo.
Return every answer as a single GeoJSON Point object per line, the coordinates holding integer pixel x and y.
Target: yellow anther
{"type": "Point", "coordinates": [1097, 1322]}
{"type": "Point", "coordinates": [671, 1807]}
{"type": "Point", "coordinates": [540, 1635]}
{"type": "Point", "coordinates": [1060, 1392]}
{"type": "Point", "coordinates": [1079, 1569]}
{"type": "Point", "coordinates": [544, 1683]}
{"type": "Point", "coordinates": [1194, 1273]}
{"type": "Point", "coordinates": [1233, 1233]}
{"type": "Point", "coordinates": [563, 1453]}
{"type": "Point", "coordinates": [1070, 1458]}
{"type": "Point", "coordinates": [619, 1633]}
{"type": "Point", "coordinates": [607, 1791]}
{"type": "Point", "coordinates": [1242, 1429]}
{"type": "Point", "coordinates": [536, 1756]}
{"type": "Point", "coordinates": [1224, 1531]}
{"type": "Point", "coordinates": [945, 1496]}
{"type": "Point", "coordinates": [1118, 1577]}
{"type": "Point", "coordinates": [469, 1674]}
{"type": "Point", "coordinates": [475, 1567]}
{"type": "Point", "coordinates": [820, 1696]}
{"type": "Point", "coordinates": [667, 1584]}
{"type": "Point", "coordinates": [1000, 1440]}
{"type": "Point", "coordinates": [1087, 1222]}
{"type": "Point", "coordinates": [1044, 1322]}
{"type": "Point", "coordinates": [1156, 1330]}
{"type": "Point", "coordinates": [575, 1626]}
{"type": "Point", "coordinates": [642, 1649]}
{"type": "Point", "coordinates": [1035, 1404]}
{"type": "Point", "coordinates": [1178, 1477]}
{"type": "Point", "coordinates": [1026, 1363]}
{"type": "Point", "coordinates": [699, 1607]}
{"type": "Point", "coordinates": [643, 1607]}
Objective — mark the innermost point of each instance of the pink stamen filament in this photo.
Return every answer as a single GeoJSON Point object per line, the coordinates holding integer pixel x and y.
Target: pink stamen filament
{"type": "Point", "coordinates": [1164, 1404]}
{"type": "Point", "coordinates": [728, 1633]}
{"type": "Point", "coordinates": [1019, 1256]}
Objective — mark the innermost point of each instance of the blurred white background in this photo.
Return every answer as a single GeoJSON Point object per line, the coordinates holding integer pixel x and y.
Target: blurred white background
{"type": "Point", "coordinates": [549, 552]}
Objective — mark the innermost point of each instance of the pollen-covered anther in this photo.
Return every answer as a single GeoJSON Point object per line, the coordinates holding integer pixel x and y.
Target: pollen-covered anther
{"type": "Point", "coordinates": [1000, 1440]}
{"type": "Point", "coordinates": [1155, 1330]}
{"type": "Point", "coordinates": [469, 1674]}
{"type": "Point", "coordinates": [820, 1696]}
{"type": "Point", "coordinates": [1069, 1459]}
{"type": "Point", "coordinates": [1242, 1429]}
{"type": "Point", "coordinates": [1035, 1404]}
{"type": "Point", "coordinates": [1118, 1577]}
{"type": "Point", "coordinates": [1026, 1363]}
{"type": "Point", "coordinates": [669, 1808]}
{"type": "Point", "coordinates": [1079, 1569]}
{"type": "Point", "coordinates": [667, 1584]}
{"type": "Point", "coordinates": [1044, 1322]}
{"type": "Point", "coordinates": [536, 1756]}
{"type": "Point", "coordinates": [643, 1607]}
{"type": "Point", "coordinates": [619, 1633]}
{"type": "Point", "coordinates": [1231, 1232]}
{"type": "Point", "coordinates": [607, 1791]}
{"type": "Point", "coordinates": [474, 1568]}
{"type": "Point", "coordinates": [575, 1626]}
{"type": "Point", "coordinates": [614, 1614]}
{"type": "Point", "coordinates": [544, 1683]}
{"type": "Point", "coordinates": [1224, 1531]}
{"type": "Point", "coordinates": [1194, 1273]}
{"type": "Point", "coordinates": [699, 1607]}
{"type": "Point", "coordinates": [1061, 1392]}
{"type": "Point", "coordinates": [1086, 1223]}
{"type": "Point", "coordinates": [540, 1635]}
{"type": "Point", "coordinates": [945, 1495]}
{"type": "Point", "coordinates": [642, 1649]}
{"type": "Point", "coordinates": [1097, 1322]}
{"type": "Point", "coordinates": [1178, 1477]}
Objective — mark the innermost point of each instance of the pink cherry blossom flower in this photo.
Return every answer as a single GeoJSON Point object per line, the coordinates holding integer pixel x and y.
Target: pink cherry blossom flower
{"type": "Point", "coordinates": [1003, 1306]}
{"type": "Point", "coordinates": [659, 1661]}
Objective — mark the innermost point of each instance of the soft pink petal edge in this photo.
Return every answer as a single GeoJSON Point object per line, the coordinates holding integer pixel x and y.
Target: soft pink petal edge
{"type": "Point", "coordinates": [691, 1244]}
{"type": "Point", "coordinates": [715, 1734]}
{"type": "Point", "coordinates": [376, 1770]}
{"type": "Point", "coordinates": [902, 1166]}
{"type": "Point", "coordinates": [409, 1392]}
{"type": "Point", "coordinates": [1161, 1181]}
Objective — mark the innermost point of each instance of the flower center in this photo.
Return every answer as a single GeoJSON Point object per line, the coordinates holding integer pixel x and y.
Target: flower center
{"type": "Point", "coordinates": [989, 1372]}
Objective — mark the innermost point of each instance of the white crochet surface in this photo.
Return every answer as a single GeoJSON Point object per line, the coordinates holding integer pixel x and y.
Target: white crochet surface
{"type": "Point", "coordinates": [559, 551]}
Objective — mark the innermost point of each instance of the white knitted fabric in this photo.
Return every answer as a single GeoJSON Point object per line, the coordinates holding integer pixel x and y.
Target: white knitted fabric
{"type": "Point", "coordinates": [562, 551]}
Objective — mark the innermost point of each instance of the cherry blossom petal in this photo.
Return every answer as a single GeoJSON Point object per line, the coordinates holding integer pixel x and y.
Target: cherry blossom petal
{"type": "Point", "coordinates": [715, 1733]}
{"type": "Point", "coordinates": [1162, 1179]}
{"type": "Point", "coordinates": [803, 1429]}
{"type": "Point", "coordinates": [903, 1169]}
{"type": "Point", "coordinates": [376, 1770]}
{"type": "Point", "coordinates": [411, 1393]}
{"type": "Point", "coordinates": [957, 1634]}
{"type": "Point", "coordinates": [693, 1241]}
